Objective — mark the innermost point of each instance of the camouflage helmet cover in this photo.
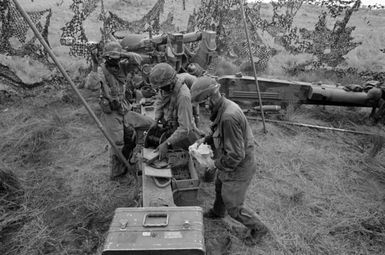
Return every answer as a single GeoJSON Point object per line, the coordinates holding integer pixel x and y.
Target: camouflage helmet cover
{"type": "Point", "coordinates": [203, 88]}
{"type": "Point", "coordinates": [161, 75]}
{"type": "Point", "coordinates": [112, 50]}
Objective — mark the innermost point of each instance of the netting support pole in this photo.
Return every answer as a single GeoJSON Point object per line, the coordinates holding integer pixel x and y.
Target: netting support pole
{"type": "Point", "coordinates": [72, 84]}
{"type": "Point", "coordinates": [241, 2]}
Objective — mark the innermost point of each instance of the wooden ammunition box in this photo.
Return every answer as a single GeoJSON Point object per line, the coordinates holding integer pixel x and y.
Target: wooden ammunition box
{"type": "Point", "coordinates": [156, 230]}
{"type": "Point", "coordinates": [185, 189]}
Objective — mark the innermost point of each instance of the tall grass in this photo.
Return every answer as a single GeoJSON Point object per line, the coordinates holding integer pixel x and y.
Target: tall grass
{"type": "Point", "coordinates": [65, 201]}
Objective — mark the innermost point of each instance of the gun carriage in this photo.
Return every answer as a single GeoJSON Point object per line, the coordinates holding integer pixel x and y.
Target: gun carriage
{"type": "Point", "coordinates": [281, 93]}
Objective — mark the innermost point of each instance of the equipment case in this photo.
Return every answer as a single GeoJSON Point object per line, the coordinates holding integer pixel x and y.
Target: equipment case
{"type": "Point", "coordinates": [156, 230]}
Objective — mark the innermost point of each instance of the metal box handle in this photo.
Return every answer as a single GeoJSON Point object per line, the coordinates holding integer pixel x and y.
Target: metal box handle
{"type": "Point", "coordinates": [147, 217]}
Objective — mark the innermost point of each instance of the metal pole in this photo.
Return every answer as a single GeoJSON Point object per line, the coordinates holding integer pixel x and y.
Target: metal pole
{"type": "Point", "coordinates": [252, 63]}
{"type": "Point", "coordinates": [317, 127]}
{"type": "Point", "coordinates": [66, 76]}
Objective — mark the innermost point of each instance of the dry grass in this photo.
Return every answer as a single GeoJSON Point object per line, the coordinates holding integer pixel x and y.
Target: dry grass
{"type": "Point", "coordinates": [319, 192]}
{"type": "Point", "coordinates": [60, 160]}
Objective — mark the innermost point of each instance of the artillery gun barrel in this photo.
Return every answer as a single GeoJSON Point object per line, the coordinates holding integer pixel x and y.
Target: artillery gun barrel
{"type": "Point", "coordinates": [147, 43]}
{"type": "Point", "coordinates": [336, 96]}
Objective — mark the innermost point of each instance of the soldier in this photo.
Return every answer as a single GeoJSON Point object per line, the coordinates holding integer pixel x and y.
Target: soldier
{"type": "Point", "coordinates": [233, 141]}
{"type": "Point", "coordinates": [196, 70]}
{"type": "Point", "coordinates": [173, 108]}
{"type": "Point", "coordinates": [376, 98]}
{"type": "Point", "coordinates": [117, 116]}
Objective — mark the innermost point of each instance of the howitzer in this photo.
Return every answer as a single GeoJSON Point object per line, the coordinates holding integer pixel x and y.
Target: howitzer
{"type": "Point", "coordinates": [242, 90]}
{"type": "Point", "coordinates": [171, 48]}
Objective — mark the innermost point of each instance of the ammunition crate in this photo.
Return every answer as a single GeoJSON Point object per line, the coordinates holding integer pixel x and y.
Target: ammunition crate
{"type": "Point", "coordinates": [156, 230]}
{"type": "Point", "coordinates": [185, 182]}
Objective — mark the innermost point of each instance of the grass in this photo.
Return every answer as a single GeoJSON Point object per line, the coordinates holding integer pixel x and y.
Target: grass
{"type": "Point", "coordinates": [59, 157]}
{"type": "Point", "coordinates": [319, 192]}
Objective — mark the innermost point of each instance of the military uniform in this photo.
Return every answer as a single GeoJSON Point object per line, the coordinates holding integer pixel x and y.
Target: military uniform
{"type": "Point", "coordinates": [176, 109]}
{"type": "Point", "coordinates": [117, 115]}
{"type": "Point", "coordinates": [189, 79]}
{"type": "Point", "coordinates": [233, 141]}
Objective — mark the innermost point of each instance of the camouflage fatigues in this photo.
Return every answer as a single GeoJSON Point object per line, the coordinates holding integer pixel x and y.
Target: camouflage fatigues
{"type": "Point", "coordinates": [234, 158]}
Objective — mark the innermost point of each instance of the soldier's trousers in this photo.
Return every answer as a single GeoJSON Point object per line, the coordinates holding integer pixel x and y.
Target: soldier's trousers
{"type": "Point", "coordinates": [116, 126]}
{"type": "Point", "coordinates": [230, 196]}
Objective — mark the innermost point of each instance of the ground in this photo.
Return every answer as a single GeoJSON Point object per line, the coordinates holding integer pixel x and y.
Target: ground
{"type": "Point", "coordinates": [319, 192]}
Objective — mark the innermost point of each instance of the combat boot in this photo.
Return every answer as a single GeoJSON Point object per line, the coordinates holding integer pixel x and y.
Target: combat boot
{"type": "Point", "coordinates": [210, 214]}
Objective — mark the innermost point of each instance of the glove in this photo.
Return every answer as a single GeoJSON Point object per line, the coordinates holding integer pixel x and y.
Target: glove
{"type": "Point", "coordinates": [163, 149]}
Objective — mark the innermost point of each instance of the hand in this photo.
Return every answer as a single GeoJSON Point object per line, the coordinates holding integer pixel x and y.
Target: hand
{"type": "Point", "coordinates": [125, 61]}
{"type": "Point", "coordinates": [200, 141]}
{"type": "Point", "coordinates": [162, 149]}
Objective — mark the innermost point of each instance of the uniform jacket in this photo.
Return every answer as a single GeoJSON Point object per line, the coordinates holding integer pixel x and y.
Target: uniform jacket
{"type": "Point", "coordinates": [233, 141]}
{"type": "Point", "coordinates": [113, 89]}
{"type": "Point", "coordinates": [175, 107]}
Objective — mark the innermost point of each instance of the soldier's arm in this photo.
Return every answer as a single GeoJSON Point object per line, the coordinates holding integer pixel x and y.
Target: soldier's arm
{"type": "Point", "coordinates": [127, 59]}
{"type": "Point", "coordinates": [188, 79]}
{"type": "Point", "coordinates": [234, 148]}
{"type": "Point", "coordinates": [185, 119]}
{"type": "Point", "coordinates": [105, 90]}
{"type": "Point", "coordinates": [158, 105]}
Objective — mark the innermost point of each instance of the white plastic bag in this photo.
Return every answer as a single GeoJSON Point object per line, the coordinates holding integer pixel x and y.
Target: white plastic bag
{"type": "Point", "coordinates": [202, 154]}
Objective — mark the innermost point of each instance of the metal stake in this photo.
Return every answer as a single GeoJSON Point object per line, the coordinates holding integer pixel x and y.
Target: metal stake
{"type": "Point", "coordinates": [252, 63]}
{"type": "Point", "coordinates": [317, 127]}
{"type": "Point", "coordinates": [66, 76]}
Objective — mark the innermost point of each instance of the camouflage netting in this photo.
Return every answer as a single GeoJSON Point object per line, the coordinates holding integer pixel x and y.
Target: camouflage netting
{"type": "Point", "coordinates": [328, 45]}
{"type": "Point", "coordinates": [74, 28]}
{"type": "Point", "coordinates": [14, 31]}
{"type": "Point", "coordinates": [112, 23]}
{"type": "Point", "coordinates": [222, 16]}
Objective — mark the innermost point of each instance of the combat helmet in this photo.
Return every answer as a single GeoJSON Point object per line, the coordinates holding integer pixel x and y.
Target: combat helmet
{"type": "Point", "coordinates": [112, 50]}
{"type": "Point", "coordinates": [195, 69]}
{"type": "Point", "coordinates": [203, 88]}
{"type": "Point", "coordinates": [161, 75]}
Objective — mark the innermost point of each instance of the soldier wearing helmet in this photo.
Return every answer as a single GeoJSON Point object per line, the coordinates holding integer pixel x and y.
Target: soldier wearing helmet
{"type": "Point", "coordinates": [233, 141]}
{"type": "Point", "coordinates": [119, 119]}
{"type": "Point", "coordinates": [195, 69]}
{"type": "Point", "coordinates": [376, 98]}
{"type": "Point", "coordinates": [173, 107]}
